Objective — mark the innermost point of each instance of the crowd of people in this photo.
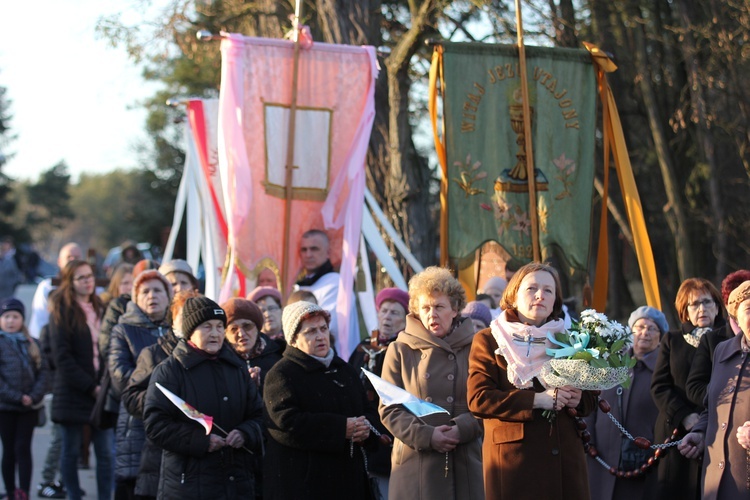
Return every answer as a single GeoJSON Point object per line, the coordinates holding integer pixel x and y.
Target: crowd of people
{"type": "Point", "coordinates": [182, 397]}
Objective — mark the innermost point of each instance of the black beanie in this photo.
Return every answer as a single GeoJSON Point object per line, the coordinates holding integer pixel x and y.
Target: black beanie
{"type": "Point", "coordinates": [198, 310]}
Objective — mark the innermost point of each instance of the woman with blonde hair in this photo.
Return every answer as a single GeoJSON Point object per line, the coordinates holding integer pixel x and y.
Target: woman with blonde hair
{"type": "Point", "coordinates": [120, 284]}
{"type": "Point", "coordinates": [437, 456]}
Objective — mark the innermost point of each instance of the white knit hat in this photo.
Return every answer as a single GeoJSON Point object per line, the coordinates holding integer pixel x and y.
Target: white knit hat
{"type": "Point", "coordinates": [294, 314]}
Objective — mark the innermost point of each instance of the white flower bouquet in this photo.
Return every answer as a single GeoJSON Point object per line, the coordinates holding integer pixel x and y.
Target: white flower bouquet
{"type": "Point", "coordinates": [592, 355]}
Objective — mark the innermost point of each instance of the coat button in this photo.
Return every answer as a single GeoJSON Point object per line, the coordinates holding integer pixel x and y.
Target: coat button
{"type": "Point", "coordinates": [723, 425]}
{"type": "Point", "coordinates": [231, 478]}
{"type": "Point", "coordinates": [428, 399]}
{"type": "Point", "coordinates": [555, 451]}
{"type": "Point", "coordinates": [451, 357]}
{"type": "Point", "coordinates": [427, 375]}
{"type": "Point", "coordinates": [226, 398]}
{"type": "Point", "coordinates": [449, 399]}
{"type": "Point", "coordinates": [721, 464]}
{"type": "Point", "coordinates": [450, 376]}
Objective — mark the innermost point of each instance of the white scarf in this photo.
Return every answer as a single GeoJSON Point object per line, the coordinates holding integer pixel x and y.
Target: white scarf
{"type": "Point", "coordinates": [524, 347]}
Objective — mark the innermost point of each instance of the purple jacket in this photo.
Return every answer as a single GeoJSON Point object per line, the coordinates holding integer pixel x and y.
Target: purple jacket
{"type": "Point", "coordinates": [724, 460]}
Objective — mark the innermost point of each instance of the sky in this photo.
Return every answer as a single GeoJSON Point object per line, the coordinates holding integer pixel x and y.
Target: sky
{"type": "Point", "coordinates": [73, 97]}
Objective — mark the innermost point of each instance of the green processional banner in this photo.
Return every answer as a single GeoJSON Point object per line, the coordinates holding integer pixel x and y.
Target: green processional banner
{"type": "Point", "coordinates": [488, 196]}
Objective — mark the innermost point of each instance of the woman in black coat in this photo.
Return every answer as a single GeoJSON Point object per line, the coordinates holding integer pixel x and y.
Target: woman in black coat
{"type": "Point", "coordinates": [701, 310]}
{"type": "Point", "coordinates": [76, 313]}
{"type": "Point", "coordinates": [134, 395]}
{"type": "Point", "coordinates": [207, 375]}
{"type": "Point", "coordinates": [257, 350]}
{"type": "Point", "coordinates": [316, 416]}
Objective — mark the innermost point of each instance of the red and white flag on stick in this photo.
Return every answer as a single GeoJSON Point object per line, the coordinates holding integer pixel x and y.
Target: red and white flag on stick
{"type": "Point", "coordinates": [188, 410]}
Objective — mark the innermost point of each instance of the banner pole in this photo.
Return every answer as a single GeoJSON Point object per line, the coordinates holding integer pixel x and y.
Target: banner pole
{"type": "Point", "coordinates": [530, 175]}
{"type": "Point", "coordinates": [290, 151]}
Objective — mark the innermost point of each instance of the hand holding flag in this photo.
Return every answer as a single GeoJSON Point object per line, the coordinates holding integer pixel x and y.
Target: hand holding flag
{"type": "Point", "coordinates": [206, 421]}
{"type": "Point", "coordinates": [188, 410]}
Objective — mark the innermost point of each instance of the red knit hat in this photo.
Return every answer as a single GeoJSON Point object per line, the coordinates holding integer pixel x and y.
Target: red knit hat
{"type": "Point", "coordinates": [394, 294]}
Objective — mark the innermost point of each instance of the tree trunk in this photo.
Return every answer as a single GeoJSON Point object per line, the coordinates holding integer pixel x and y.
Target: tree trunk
{"type": "Point", "coordinates": [407, 186]}
{"type": "Point", "coordinates": [674, 210]}
{"type": "Point", "coordinates": [705, 138]}
{"type": "Point", "coordinates": [396, 175]}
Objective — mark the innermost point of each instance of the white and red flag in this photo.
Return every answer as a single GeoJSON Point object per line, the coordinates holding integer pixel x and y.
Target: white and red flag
{"type": "Point", "coordinates": [334, 116]}
{"type": "Point", "coordinates": [200, 195]}
{"type": "Point", "coordinates": [190, 412]}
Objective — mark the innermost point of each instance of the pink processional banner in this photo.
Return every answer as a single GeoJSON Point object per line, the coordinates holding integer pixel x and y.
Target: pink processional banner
{"type": "Point", "coordinates": [335, 112]}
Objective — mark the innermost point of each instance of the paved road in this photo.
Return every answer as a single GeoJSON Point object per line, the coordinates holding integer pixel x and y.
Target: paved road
{"type": "Point", "coordinates": [40, 443]}
{"type": "Point", "coordinates": [42, 435]}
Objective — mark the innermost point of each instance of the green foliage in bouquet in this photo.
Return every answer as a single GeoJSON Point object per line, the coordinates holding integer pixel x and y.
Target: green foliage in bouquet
{"type": "Point", "coordinates": [600, 342]}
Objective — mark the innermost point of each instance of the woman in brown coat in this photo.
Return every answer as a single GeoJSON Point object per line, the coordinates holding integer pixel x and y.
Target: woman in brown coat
{"type": "Point", "coordinates": [723, 429]}
{"type": "Point", "coordinates": [437, 456]}
{"type": "Point", "coordinates": [526, 456]}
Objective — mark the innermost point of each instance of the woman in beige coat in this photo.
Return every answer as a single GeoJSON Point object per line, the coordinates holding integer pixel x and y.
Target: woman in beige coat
{"type": "Point", "coordinates": [437, 456]}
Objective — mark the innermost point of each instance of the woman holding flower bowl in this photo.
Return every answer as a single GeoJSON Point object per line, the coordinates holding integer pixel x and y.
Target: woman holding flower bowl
{"type": "Point", "coordinates": [524, 454]}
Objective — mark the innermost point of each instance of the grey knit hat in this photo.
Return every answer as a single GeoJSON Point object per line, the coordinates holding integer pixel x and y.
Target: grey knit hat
{"type": "Point", "coordinates": [651, 313]}
{"type": "Point", "coordinates": [294, 314]}
{"type": "Point", "coordinates": [198, 310]}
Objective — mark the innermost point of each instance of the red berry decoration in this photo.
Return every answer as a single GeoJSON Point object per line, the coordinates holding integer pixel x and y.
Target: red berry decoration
{"type": "Point", "coordinates": [604, 406]}
{"type": "Point", "coordinates": [613, 471]}
{"type": "Point", "coordinates": [592, 452]}
{"type": "Point", "coordinates": [642, 443]}
{"type": "Point", "coordinates": [651, 460]}
{"type": "Point", "coordinates": [659, 452]}
{"type": "Point", "coordinates": [572, 412]}
{"type": "Point", "coordinates": [581, 424]}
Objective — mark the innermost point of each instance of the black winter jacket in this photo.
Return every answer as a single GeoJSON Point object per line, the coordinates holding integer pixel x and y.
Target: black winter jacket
{"type": "Point", "coordinates": [308, 455]}
{"type": "Point", "coordinates": [703, 361]}
{"type": "Point", "coordinates": [19, 376]}
{"type": "Point", "coordinates": [219, 387]}
{"type": "Point", "coordinates": [115, 309]}
{"type": "Point", "coordinates": [134, 398]}
{"type": "Point", "coordinates": [75, 376]}
{"type": "Point", "coordinates": [270, 355]}
{"type": "Point", "coordinates": [130, 336]}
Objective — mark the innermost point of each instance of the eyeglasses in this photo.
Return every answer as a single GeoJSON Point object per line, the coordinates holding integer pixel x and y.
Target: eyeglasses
{"type": "Point", "coordinates": [645, 329]}
{"type": "Point", "coordinates": [86, 277]}
{"type": "Point", "coordinates": [706, 303]}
